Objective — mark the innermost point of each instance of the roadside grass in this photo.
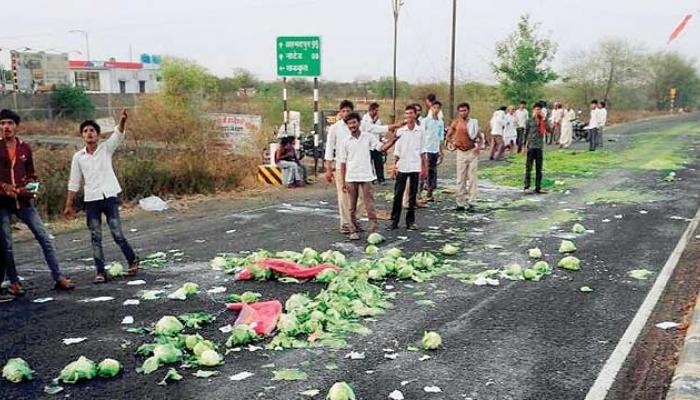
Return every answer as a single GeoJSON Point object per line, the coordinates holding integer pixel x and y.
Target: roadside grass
{"type": "Point", "coordinates": [620, 197]}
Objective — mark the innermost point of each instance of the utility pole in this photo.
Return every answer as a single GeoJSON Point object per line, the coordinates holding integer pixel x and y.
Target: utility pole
{"type": "Point", "coordinates": [452, 62]}
{"type": "Point", "coordinates": [87, 41]}
{"type": "Point", "coordinates": [396, 5]}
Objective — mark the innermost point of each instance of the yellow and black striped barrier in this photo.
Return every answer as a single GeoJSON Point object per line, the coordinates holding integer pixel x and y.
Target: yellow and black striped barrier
{"type": "Point", "coordinates": [270, 175]}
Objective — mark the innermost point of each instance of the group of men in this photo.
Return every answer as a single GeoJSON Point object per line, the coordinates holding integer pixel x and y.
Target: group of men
{"type": "Point", "coordinates": [354, 158]}
{"type": "Point", "coordinates": [19, 187]}
{"type": "Point", "coordinates": [596, 123]}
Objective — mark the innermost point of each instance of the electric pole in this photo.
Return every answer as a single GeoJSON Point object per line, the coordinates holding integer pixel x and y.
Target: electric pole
{"type": "Point", "coordinates": [396, 5]}
{"type": "Point", "coordinates": [452, 62]}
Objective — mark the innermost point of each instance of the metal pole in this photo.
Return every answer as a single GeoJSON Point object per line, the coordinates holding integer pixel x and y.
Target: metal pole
{"type": "Point", "coordinates": [452, 61]}
{"type": "Point", "coordinates": [396, 6]}
{"type": "Point", "coordinates": [87, 45]}
{"type": "Point", "coordinates": [316, 127]}
{"type": "Point", "coordinates": [284, 100]}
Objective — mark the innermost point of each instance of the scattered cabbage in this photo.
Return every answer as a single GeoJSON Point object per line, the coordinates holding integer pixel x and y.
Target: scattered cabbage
{"type": "Point", "coordinates": [188, 289]}
{"type": "Point", "coordinates": [192, 340]}
{"type": "Point", "coordinates": [376, 274]}
{"type": "Point", "coordinates": [203, 346]}
{"type": "Point", "coordinates": [640, 273]}
{"type": "Point", "coordinates": [571, 263]}
{"type": "Point", "coordinates": [531, 274]}
{"type": "Point", "coordinates": [431, 341]}
{"type": "Point", "coordinates": [168, 326]}
{"type": "Point", "coordinates": [259, 273]}
{"type": "Point", "coordinates": [393, 253]}
{"type": "Point", "coordinates": [195, 320]}
{"type": "Point", "coordinates": [209, 358]}
{"type": "Point", "coordinates": [288, 324]}
{"type": "Point", "coordinates": [115, 269]}
{"type": "Point", "coordinates": [405, 272]}
{"type": "Point", "coordinates": [240, 335]}
{"type": "Point", "coordinates": [340, 391]}
{"type": "Point", "coordinates": [542, 267]}
{"type": "Point", "coordinates": [326, 276]}
{"type": "Point", "coordinates": [218, 263]}
{"type": "Point", "coordinates": [567, 246]}
{"type": "Point", "coordinates": [166, 353]}
{"type": "Point", "coordinates": [578, 229]}
{"type": "Point", "coordinates": [172, 375]}
{"type": "Point", "coordinates": [151, 364]}
{"type": "Point", "coordinates": [16, 370]}
{"type": "Point", "coordinates": [375, 238]}
{"type": "Point", "coordinates": [371, 250]}
{"type": "Point", "coordinates": [585, 289]}
{"type": "Point", "coordinates": [535, 253]}
{"type": "Point", "coordinates": [297, 301]}
{"type": "Point", "coordinates": [83, 368]}
{"type": "Point", "coordinates": [514, 272]}
{"type": "Point", "coordinates": [309, 253]}
{"type": "Point", "coordinates": [449, 250]}
{"type": "Point", "coordinates": [108, 368]}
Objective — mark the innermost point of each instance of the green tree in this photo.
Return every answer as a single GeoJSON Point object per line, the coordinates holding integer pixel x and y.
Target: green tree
{"type": "Point", "coordinates": [523, 64]}
{"type": "Point", "coordinates": [72, 102]}
{"type": "Point", "coordinates": [671, 70]}
{"type": "Point", "coordinates": [186, 81]}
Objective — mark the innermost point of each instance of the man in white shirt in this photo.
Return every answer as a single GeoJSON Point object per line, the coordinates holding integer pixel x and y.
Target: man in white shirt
{"type": "Point", "coordinates": [337, 134]}
{"type": "Point", "coordinates": [356, 171]}
{"type": "Point", "coordinates": [371, 124]}
{"type": "Point", "coordinates": [556, 118]}
{"type": "Point", "coordinates": [602, 121]}
{"type": "Point", "coordinates": [411, 163]}
{"type": "Point", "coordinates": [498, 126]}
{"type": "Point", "coordinates": [521, 117]}
{"type": "Point", "coordinates": [593, 126]}
{"type": "Point", "coordinates": [93, 165]}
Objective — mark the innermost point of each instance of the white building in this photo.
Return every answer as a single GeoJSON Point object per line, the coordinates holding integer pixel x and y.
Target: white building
{"type": "Point", "coordinates": [115, 76]}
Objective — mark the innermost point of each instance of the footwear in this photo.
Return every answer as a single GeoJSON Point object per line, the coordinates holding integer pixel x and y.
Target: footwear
{"type": "Point", "coordinates": [412, 227]}
{"type": "Point", "coordinates": [372, 227]}
{"type": "Point", "coordinates": [527, 190]}
{"type": "Point", "coordinates": [471, 208]}
{"type": "Point", "coordinates": [133, 268]}
{"type": "Point", "coordinates": [392, 227]}
{"type": "Point", "coordinates": [541, 191]}
{"type": "Point", "coordinates": [5, 298]}
{"type": "Point", "coordinates": [15, 289]}
{"type": "Point", "coordinates": [420, 204]}
{"type": "Point", "coordinates": [64, 283]}
{"type": "Point", "coordinates": [460, 209]}
{"type": "Point", "coordinates": [345, 230]}
{"type": "Point", "coordinates": [354, 236]}
{"type": "Point", "coordinates": [100, 278]}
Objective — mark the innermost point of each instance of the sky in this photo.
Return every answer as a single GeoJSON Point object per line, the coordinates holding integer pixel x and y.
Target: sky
{"type": "Point", "coordinates": [356, 35]}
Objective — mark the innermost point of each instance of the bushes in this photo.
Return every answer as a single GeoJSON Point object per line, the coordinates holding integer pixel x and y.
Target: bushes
{"type": "Point", "coordinates": [72, 102]}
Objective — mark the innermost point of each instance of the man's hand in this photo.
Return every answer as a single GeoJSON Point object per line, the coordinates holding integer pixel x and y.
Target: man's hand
{"type": "Point", "coordinates": [329, 176]}
{"type": "Point", "coordinates": [123, 116]}
{"type": "Point", "coordinates": [441, 158]}
{"type": "Point", "coordinates": [423, 171]}
{"type": "Point", "coordinates": [68, 212]}
{"type": "Point", "coordinates": [8, 189]}
{"type": "Point", "coordinates": [346, 187]}
{"type": "Point", "coordinates": [393, 170]}
{"type": "Point", "coordinates": [23, 192]}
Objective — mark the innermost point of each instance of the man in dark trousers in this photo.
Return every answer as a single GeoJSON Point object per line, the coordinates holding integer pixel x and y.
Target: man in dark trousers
{"type": "Point", "coordinates": [534, 142]}
{"type": "Point", "coordinates": [93, 165]}
{"type": "Point", "coordinates": [410, 163]}
{"type": "Point", "coordinates": [19, 186]}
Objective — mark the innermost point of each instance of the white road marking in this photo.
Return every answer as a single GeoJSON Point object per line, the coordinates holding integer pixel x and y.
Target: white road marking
{"type": "Point", "coordinates": [606, 378]}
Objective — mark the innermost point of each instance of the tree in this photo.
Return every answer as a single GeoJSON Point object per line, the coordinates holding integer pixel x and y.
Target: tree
{"type": "Point", "coordinates": [523, 65]}
{"type": "Point", "coordinates": [185, 80]}
{"type": "Point", "coordinates": [72, 102]}
{"type": "Point", "coordinates": [671, 70]}
{"type": "Point", "coordinates": [619, 62]}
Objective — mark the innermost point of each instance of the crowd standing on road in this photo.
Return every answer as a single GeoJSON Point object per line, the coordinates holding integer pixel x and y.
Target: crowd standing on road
{"type": "Point", "coordinates": [355, 154]}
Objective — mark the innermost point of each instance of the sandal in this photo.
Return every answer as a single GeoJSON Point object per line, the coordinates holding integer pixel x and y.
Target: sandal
{"type": "Point", "coordinates": [133, 268]}
{"type": "Point", "coordinates": [99, 278]}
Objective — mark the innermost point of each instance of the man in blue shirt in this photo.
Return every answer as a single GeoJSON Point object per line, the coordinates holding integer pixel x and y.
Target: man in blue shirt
{"type": "Point", "coordinates": [434, 139]}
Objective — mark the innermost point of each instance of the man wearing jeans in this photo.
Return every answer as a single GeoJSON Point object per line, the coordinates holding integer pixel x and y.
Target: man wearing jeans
{"type": "Point", "coordinates": [356, 171]}
{"type": "Point", "coordinates": [371, 124]}
{"type": "Point", "coordinates": [521, 116]}
{"type": "Point", "coordinates": [19, 185]}
{"type": "Point", "coordinates": [435, 136]}
{"type": "Point", "coordinates": [536, 133]}
{"type": "Point", "coordinates": [93, 164]}
{"type": "Point", "coordinates": [466, 139]}
{"type": "Point", "coordinates": [410, 163]}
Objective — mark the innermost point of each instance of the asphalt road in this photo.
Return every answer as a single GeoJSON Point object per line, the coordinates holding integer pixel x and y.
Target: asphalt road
{"type": "Point", "coordinates": [518, 340]}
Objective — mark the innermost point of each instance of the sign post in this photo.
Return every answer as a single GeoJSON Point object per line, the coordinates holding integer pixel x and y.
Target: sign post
{"type": "Point", "coordinates": [300, 56]}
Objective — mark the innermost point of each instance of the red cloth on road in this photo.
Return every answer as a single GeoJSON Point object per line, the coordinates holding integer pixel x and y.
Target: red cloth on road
{"type": "Point", "coordinates": [262, 315]}
{"type": "Point", "coordinates": [286, 268]}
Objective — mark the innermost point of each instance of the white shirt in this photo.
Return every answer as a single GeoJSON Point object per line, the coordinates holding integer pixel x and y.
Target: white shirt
{"type": "Point", "coordinates": [354, 153]}
{"type": "Point", "coordinates": [569, 117]}
{"type": "Point", "coordinates": [96, 170]}
{"type": "Point", "coordinates": [373, 127]}
{"type": "Point", "coordinates": [602, 117]}
{"type": "Point", "coordinates": [409, 148]}
{"type": "Point", "coordinates": [557, 115]}
{"type": "Point", "coordinates": [594, 122]}
{"type": "Point", "coordinates": [498, 123]}
{"type": "Point", "coordinates": [521, 117]}
{"type": "Point", "coordinates": [337, 134]}
{"type": "Point", "coordinates": [509, 132]}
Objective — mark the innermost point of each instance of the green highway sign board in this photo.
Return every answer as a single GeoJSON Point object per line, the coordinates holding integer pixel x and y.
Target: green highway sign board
{"type": "Point", "coordinates": [299, 56]}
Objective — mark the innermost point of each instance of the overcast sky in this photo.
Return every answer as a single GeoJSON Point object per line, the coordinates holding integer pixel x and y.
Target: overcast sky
{"type": "Point", "coordinates": [356, 34]}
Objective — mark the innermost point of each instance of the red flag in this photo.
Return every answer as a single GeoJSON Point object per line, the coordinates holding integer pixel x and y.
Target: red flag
{"type": "Point", "coordinates": [680, 27]}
